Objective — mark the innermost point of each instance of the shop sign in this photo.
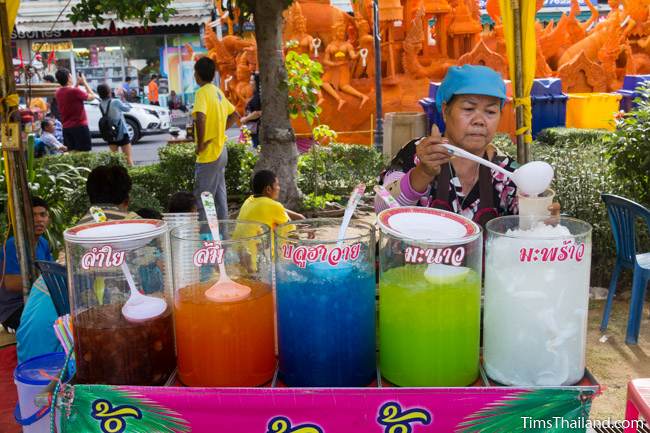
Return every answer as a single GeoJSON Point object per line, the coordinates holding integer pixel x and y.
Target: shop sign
{"type": "Point", "coordinates": [36, 34]}
{"type": "Point", "coordinates": [115, 409]}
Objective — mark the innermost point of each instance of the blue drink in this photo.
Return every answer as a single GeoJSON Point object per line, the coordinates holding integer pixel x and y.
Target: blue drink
{"type": "Point", "coordinates": [326, 324]}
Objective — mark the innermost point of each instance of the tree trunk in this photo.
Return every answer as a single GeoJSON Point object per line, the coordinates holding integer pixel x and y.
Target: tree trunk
{"type": "Point", "coordinates": [279, 152]}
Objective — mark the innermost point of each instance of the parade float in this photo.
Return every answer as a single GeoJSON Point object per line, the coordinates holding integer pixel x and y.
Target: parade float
{"type": "Point", "coordinates": [580, 72]}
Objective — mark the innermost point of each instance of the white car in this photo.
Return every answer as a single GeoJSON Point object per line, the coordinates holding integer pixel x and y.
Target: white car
{"type": "Point", "coordinates": [141, 119]}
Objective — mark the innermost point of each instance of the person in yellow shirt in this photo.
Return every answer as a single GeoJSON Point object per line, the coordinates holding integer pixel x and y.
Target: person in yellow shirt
{"type": "Point", "coordinates": [263, 207]}
{"type": "Point", "coordinates": [213, 114]}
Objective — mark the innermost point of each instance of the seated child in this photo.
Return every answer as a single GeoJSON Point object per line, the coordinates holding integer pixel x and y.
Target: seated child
{"type": "Point", "coordinates": [263, 206]}
{"type": "Point", "coordinates": [182, 202]}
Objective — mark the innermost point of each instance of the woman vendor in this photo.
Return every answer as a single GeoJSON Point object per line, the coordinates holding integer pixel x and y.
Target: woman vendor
{"type": "Point", "coordinates": [423, 173]}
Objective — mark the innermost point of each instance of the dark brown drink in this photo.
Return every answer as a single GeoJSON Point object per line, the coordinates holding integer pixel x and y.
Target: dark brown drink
{"type": "Point", "coordinates": [112, 350]}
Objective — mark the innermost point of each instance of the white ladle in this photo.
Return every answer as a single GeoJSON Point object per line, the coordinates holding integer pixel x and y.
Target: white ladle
{"type": "Point", "coordinates": [354, 200]}
{"type": "Point", "coordinates": [224, 290]}
{"type": "Point", "coordinates": [532, 178]}
{"type": "Point", "coordinates": [138, 307]}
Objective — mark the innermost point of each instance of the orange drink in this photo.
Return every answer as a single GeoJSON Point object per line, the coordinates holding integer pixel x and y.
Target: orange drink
{"type": "Point", "coordinates": [225, 343]}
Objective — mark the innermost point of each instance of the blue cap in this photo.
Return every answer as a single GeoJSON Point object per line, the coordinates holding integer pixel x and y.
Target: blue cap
{"type": "Point", "coordinates": [470, 80]}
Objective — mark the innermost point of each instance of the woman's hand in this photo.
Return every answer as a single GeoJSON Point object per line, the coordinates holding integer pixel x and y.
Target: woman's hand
{"type": "Point", "coordinates": [555, 209]}
{"type": "Point", "coordinates": [431, 156]}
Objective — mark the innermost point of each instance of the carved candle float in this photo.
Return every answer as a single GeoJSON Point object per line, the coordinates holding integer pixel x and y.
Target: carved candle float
{"type": "Point", "coordinates": [223, 342]}
{"type": "Point", "coordinates": [430, 297]}
{"type": "Point", "coordinates": [111, 348]}
{"type": "Point", "coordinates": [326, 303]}
{"type": "Point", "coordinates": [536, 300]}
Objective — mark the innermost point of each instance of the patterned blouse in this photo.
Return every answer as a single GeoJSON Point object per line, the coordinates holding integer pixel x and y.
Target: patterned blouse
{"type": "Point", "coordinates": [397, 181]}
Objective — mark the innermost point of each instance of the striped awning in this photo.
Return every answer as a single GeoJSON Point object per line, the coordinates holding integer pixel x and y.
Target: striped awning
{"type": "Point", "coordinates": [42, 16]}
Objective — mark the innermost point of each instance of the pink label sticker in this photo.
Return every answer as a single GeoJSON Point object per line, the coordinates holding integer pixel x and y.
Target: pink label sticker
{"type": "Point", "coordinates": [569, 250]}
{"type": "Point", "coordinates": [102, 257]}
{"type": "Point", "coordinates": [447, 256]}
{"type": "Point", "coordinates": [301, 255]}
{"type": "Point", "coordinates": [210, 254]}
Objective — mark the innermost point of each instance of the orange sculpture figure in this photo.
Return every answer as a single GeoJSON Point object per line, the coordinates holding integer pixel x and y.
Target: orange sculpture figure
{"type": "Point", "coordinates": [297, 26]}
{"type": "Point", "coordinates": [337, 60]}
{"type": "Point", "coordinates": [437, 10]}
{"type": "Point", "coordinates": [581, 75]}
{"type": "Point", "coordinates": [482, 55]}
{"type": "Point", "coordinates": [412, 45]}
{"type": "Point", "coordinates": [366, 42]}
{"type": "Point", "coordinates": [463, 29]}
{"type": "Point", "coordinates": [420, 39]}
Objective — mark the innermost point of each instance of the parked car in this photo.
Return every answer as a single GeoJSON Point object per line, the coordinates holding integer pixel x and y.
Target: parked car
{"type": "Point", "coordinates": [141, 120]}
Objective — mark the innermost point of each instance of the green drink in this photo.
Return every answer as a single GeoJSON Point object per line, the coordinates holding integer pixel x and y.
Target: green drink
{"type": "Point", "coordinates": [429, 326]}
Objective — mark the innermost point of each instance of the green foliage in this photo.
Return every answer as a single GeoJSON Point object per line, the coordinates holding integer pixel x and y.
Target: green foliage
{"type": "Point", "coordinates": [174, 172]}
{"type": "Point", "coordinates": [581, 175]}
{"type": "Point", "coordinates": [95, 11]}
{"type": "Point", "coordinates": [313, 201]}
{"type": "Point", "coordinates": [55, 183]}
{"type": "Point", "coordinates": [578, 137]}
{"type": "Point", "coordinates": [239, 170]}
{"type": "Point", "coordinates": [541, 405]}
{"type": "Point", "coordinates": [152, 416]}
{"type": "Point", "coordinates": [628, 149]}
{"type": "Point", "coordinates": [303, 81]}
{"type": "Point", "coordinates": [323, 133]}
{"type": "Point", "coordinates": [338, 168]}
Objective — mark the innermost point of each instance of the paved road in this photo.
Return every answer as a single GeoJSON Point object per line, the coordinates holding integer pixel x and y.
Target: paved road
{"type": "Point", "coordinates": [146, 151]}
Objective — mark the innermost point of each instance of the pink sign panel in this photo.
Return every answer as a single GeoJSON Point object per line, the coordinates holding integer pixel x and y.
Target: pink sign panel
{"type": "Point", "coordinates": [108, 409]}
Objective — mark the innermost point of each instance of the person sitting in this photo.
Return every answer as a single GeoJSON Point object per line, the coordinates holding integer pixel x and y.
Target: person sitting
{"type": "Point", "coordinates": [182, 202]}
{"type": "Point", "coordinates": [108, 187]}
{"type": "Point", "coordinates": [263, 206]}
{"type": "Point", "coordinates": [470, 99]}
{"type": "Point", "coordinates": [11, 286]}
{"type": "Point", "coordinates": [148, 213]}
{"type": "Point", "coordinates": [175, 103]}
{"type": "Point", "coordinates": [35, 335]}
{"type": "Point", "coordinates": [52, 145]}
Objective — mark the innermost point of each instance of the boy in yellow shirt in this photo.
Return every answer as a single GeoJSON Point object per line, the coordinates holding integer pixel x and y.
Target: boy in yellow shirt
{"type": "Point", "coordinates": [263, 206]}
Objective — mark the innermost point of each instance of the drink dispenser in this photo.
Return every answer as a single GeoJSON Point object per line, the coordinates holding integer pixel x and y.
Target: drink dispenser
{"type": "Point", "coordinates": [429, 297]}
{"type": "Point", "coordinates": [224, 339]}
{"type": "Point", "coordinates": [536, 300]}
{"type": "Point", "coordinates": [119, 274]}
{"type": "Point", "coordinates": [326, 303]}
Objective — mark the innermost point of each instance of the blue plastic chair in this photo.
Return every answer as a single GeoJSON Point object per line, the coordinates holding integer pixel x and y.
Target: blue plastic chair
{"type": "Point", "coordinates": [623, 215]}
{"type": "Point", "coordinates": [56, 279]}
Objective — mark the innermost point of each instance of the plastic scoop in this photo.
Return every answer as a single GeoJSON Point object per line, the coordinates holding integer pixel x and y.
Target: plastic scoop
{"type": "Point", "coordinates": [532, 178]}
{"type": "Point", "coordinates": [224, 290]}
{"type": "Point", "coordinates": [138, 307]}
{"type": "Point", "coordinates": [354, 200]}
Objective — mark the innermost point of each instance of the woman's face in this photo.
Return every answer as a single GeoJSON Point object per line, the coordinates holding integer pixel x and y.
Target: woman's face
{"type": "Point", "coordinates": [471, 121]}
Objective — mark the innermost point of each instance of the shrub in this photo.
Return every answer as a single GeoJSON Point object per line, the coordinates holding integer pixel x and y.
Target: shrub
{"type": "Point", "coordinates": [570, 136]}
{"type": "Point", "coordinates": [338, 168]}
{"type": "Point", "coordinates": [628, 149]}
{"type": "Point", "coordinates": [239, 171]}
